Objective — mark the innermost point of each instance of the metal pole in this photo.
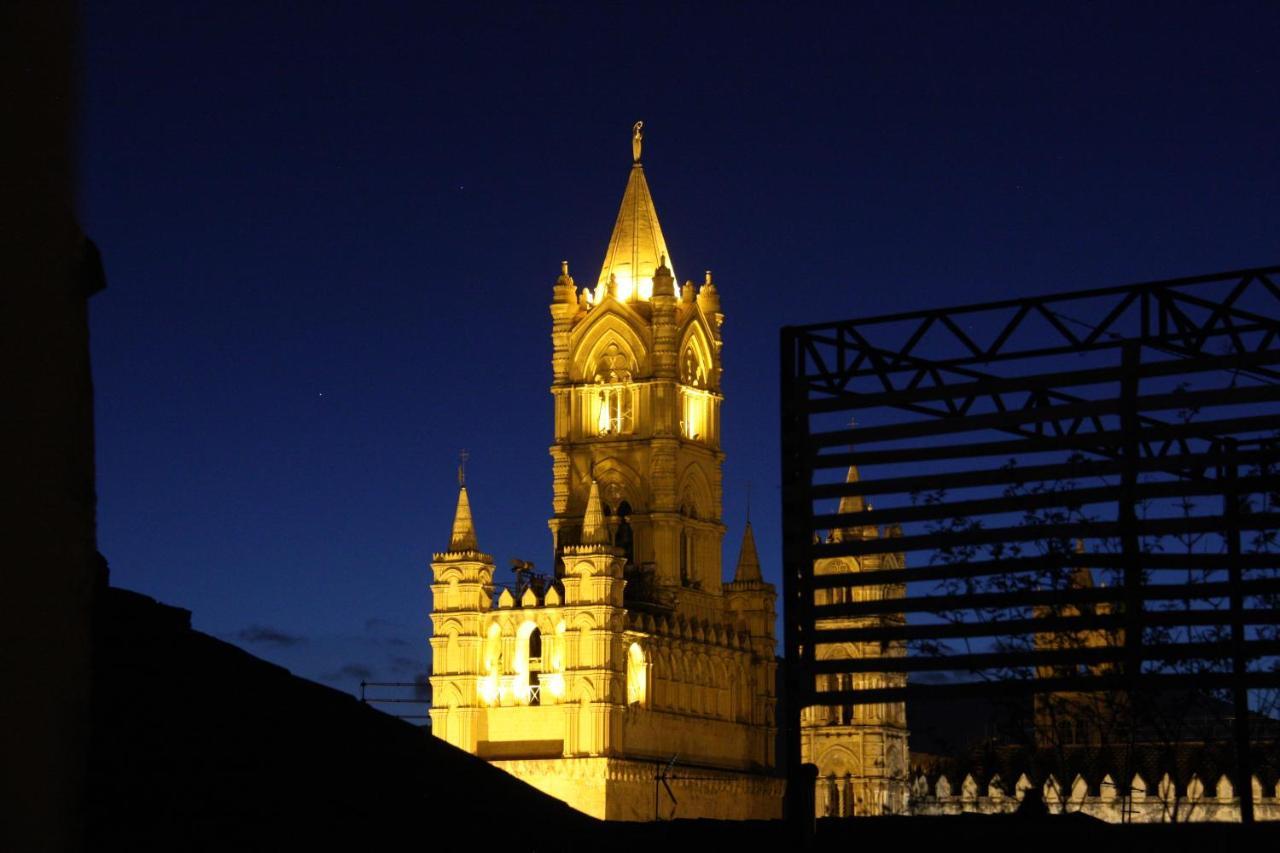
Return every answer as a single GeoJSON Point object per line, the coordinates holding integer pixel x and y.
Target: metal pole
{"type": "Point", "coordinates": [1127, 515]}
{"type": "Point", "coordinates": [1239, 663]}
{"type": "Point", "coordinates": [797, 567]}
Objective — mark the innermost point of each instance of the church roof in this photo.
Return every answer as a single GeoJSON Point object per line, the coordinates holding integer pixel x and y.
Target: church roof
{"type": "Point", "coordinates": [748, 560]}
{"type": "Point", "coordinates": [464, 529]}
{"type": "Point", "coordinates": [637, 246]}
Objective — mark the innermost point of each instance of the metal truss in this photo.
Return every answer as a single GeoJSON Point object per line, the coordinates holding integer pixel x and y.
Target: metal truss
{"type": "Point", "coordinates": [1017, 444]}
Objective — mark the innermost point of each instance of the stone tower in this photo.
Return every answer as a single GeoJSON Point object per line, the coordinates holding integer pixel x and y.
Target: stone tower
{"type": "Point", "coordinates": [636, 388]}
{"type": "Point", "coordinates": [860, 750]}
{"type": "Point", "coordinates": [588, 682]}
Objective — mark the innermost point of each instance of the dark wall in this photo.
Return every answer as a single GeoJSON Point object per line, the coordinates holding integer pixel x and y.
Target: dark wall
{"type": "Point", "coordinates": [47, 270]}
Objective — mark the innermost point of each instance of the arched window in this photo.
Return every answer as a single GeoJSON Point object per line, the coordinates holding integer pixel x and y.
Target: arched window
{"type": "Point", "coordinates": [637, 676]}
{"type": "Point", "coordinates": [527, 665]}
{"type": "Point", "coordinates": [695, 400]}
{"type": "Point", "coordinates": [692, 372]}
{"type": "Point", "coordinates": [614, 397]}
{"type": "Point", "coordinates": [535, 667]}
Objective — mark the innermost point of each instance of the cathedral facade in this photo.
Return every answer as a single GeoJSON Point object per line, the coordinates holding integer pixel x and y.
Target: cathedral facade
{"type": "Point", "coordinates": [860, 751]}
{"type": "Point", "coordinates": [633, 682]}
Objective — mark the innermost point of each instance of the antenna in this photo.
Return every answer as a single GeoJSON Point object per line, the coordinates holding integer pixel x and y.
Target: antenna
{"type": "Point", "coordinates": [662, 776]}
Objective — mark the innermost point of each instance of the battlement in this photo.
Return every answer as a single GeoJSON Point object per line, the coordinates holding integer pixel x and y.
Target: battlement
{"type": "Point", "coordinates": [467, 555]}
{"type": "Point", "coordinates": [1138, 802]}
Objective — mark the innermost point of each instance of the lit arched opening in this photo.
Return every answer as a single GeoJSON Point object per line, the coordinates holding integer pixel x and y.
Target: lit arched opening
{"type": "Point", "coordinates": [695, 388]}
{"type": "Point", "coordinates": [528, 664]}
{"type": "Point", "coordinates": [637, 676]}
{"type": "Point", "coordinates": [613, 393]}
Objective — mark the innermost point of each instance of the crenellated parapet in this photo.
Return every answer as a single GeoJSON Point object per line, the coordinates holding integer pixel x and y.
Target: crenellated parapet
{"type": "Point", "coordinates": [1137, 801]}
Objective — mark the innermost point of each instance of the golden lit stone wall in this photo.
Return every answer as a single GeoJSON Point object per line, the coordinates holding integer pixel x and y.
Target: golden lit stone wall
{"type": "Point", "coordinates": [637, 409]}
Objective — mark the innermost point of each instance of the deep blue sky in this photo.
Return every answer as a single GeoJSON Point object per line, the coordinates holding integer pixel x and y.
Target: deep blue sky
{"type": "Point", "coordinates": [331, 229]}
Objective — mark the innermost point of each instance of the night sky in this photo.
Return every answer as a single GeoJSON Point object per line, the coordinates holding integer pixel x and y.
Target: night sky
{"type": "Point", "coordinates": [330, 233]}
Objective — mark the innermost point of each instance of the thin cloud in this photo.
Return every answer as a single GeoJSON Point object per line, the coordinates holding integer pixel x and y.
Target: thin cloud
{"type": "Point", "coordinates": [351, 670]}
{"type": "Point", "coordinates": [263, 635]}
{"type": "Point", "coordinates": [402, 663]}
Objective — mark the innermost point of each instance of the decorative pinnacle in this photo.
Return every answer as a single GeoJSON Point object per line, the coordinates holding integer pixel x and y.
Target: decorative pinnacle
{"type": "Point", "coordinates": [636, 139]}
{"type": "Point", "coordinates": [564, 268]}
{"type": "Point", "coordinates": [748, 569]}
{"type": "Point", "coordinates": [463, 537]}
{"type": "Point", "coordinates": [594, 531]}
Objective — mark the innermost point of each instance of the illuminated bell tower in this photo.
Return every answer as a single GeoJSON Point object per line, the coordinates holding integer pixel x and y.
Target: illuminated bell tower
{"type": "Point", "coordinates": [636, 384]}
{"type": "Point", "coordinates": [589, 684]}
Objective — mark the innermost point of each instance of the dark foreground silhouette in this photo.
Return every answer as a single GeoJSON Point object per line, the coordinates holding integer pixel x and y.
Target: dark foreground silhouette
{"type": "Point", "coordinates": [198, 745]}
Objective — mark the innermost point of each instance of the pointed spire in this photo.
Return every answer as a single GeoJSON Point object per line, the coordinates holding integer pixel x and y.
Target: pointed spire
{"type": "Point", "coordinates": [464, 530]}
{"type": "Point", "coordinates": [852, 504]}
{"type": "Point", "coordinates": [748, 560]}
{"type": "Point", "coordinates": [594, 531]}
{"type": "Point", "coordinates": [637, 247]}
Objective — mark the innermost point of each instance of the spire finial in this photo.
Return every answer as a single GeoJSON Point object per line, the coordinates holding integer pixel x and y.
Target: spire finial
{"type": "Point", "coordinates": [748, 501]}
{"type": "Point", "coordinates": [564, 268]}
{"type": "Point", "coordinates": [636, 139]}
{"type": "Point", "coordinates": [463, 456]}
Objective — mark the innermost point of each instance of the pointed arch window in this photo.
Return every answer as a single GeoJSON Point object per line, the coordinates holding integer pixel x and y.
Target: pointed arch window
{"type": "Point", "coordinates": [637, 676]}
{"type": "Point", "coordinates": [613, 396]}
{"type": "Point", "coordinates": [692, 371]}
{"type": "Point", "coordinates": [688, 561]}
{"type": "Point", "coordinates": [695, 398]}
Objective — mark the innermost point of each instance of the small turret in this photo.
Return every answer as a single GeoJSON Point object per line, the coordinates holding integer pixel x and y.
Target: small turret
{"type": "Point", "coordinates": [564, 290]}
{"type": "Point", "coordinates": [564, 306]}
{"type": "Point", "coordinates": [663, 281]}
{"type": "Point", "coordinates": [709, 297]}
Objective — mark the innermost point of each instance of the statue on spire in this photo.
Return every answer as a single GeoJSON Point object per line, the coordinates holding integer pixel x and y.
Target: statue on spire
{"type": "Point", "coordinates": [636, 139]}
{"type": "Point", "coordinates": [463, 456]}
